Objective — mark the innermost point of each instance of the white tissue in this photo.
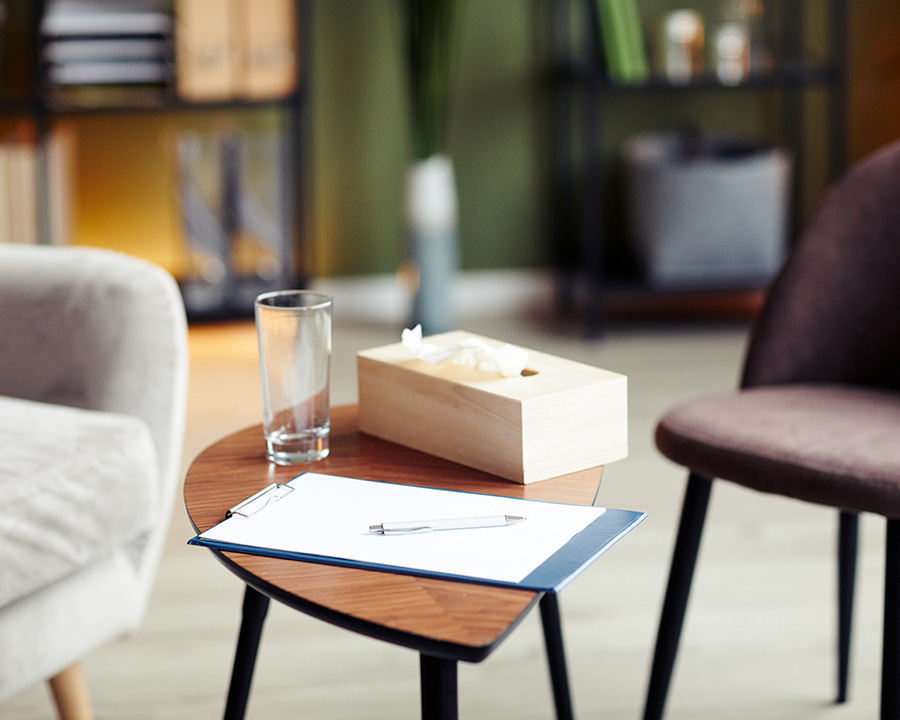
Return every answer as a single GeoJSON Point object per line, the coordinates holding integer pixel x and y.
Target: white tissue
{"type": "Point", "coordinates": [508, 360]}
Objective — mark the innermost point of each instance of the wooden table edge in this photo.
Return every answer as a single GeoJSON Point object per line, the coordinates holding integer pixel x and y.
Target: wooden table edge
{"type": "Point", "coordinates": [429, 646]}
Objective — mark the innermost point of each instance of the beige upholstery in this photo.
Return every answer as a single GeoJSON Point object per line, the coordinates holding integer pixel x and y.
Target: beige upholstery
{"type": "Point", "coordinates": [93, 348]}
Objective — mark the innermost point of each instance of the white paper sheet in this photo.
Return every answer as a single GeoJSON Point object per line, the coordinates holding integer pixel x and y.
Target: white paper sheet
{"type": "Point", "coordinates": [329, 516]}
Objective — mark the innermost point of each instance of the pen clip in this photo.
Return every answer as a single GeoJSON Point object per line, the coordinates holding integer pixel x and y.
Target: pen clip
{"type": "Point", "coordinates": [259, 501]}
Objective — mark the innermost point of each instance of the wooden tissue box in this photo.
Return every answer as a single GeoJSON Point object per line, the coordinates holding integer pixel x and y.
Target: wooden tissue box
{"type": "Point", "coordinates": [556, 418]}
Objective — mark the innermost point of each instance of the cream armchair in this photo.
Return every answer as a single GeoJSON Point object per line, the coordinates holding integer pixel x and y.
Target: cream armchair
{"type": "Point", "coordinates": [93, 381]}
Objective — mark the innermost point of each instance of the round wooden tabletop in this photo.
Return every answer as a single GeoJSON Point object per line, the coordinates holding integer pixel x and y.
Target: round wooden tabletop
{"type": "Point", "coordinates": [457, 620]}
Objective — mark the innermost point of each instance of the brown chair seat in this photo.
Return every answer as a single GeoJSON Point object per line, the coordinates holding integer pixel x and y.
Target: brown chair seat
{"type": "Point", "coordinates": [833, 445]}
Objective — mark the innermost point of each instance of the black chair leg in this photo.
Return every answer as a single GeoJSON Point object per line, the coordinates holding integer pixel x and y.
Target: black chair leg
{"type": "Point", "coordinates": [848, 533]}
{"type": "Point", "coordinates": [687, 545]}
{"type": "Point", "coordinates": [556, 657]}
{"type": "Point", "coordinates": [890, 661]}
{"type": "Point", "coordinates": [255, 607]}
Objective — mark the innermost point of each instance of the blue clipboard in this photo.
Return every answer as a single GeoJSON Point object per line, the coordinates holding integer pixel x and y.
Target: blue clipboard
{"type": "Point", "coordinates": [550, 575]}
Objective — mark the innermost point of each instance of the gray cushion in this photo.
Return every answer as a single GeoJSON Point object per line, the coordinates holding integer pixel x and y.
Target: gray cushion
{"type": "Point", "coordinates": [73, 485]}
{"type": "Point", "coordinates": [829, 444]}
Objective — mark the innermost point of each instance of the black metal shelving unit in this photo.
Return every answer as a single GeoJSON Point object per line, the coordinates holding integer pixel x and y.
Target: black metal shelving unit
{"type": "Point", "coordinates": [582, 92]}
{"type": "Point", "coordinates": [41, 106]}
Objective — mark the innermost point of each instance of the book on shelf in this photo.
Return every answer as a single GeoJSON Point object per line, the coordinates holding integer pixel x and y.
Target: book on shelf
{"type": "Point", "coordinates": [622, 40]}
{"type": "Point", "coordinates": [108, 73]}
{"type": "Point", "coordinates": [77, 50]}
{"type": "Point", "coordinates": [18, 192]}
{"type": "Point", "coordinates": [21, 169]}
{"type": "Point", "coordinates": [20, 189]}
{"type": "Point", "coordinates": [59, 147]}
{"type": "Point", "coordinates": [79, 18]}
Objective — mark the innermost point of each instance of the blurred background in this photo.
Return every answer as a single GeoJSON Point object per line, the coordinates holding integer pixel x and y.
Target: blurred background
{"type": "Point", "coordinates": [537, 121]}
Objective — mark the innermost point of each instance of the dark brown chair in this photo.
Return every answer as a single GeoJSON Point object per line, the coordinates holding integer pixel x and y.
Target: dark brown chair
{"type": "Point", "coordinates": [817, 416]}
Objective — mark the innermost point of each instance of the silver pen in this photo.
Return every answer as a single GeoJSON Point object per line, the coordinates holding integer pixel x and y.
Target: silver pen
{"type": "Point", "coordinates": [419, 526]}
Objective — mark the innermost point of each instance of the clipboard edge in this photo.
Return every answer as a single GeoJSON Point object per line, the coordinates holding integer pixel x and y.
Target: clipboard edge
{"type": "Point", "coordinates": [551, 576]}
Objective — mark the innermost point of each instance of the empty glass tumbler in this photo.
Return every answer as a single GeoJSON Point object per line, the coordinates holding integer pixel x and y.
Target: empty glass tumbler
{"type": "Point", "coordinates": [294, 331]}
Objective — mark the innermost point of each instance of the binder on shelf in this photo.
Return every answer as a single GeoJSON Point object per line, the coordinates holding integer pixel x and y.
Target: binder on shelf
{"type": "Point", "coordinates": [639, 67]}
{"type": "Point", "coordinates": [204, 52]}
{"type": "Point", "coordinates": [235, 49]}
{"type": "Point", "coordinates": [267, 48]}
{"type": "Point", "coordinates": [325, 519]}
{"type": "Point", "coordinates": [260, 246]}
{"type": "Point", "coordinates": [622, 40]}
{"type": "Point", "coordinates": [232, 197]}
{"type": "Point", "coordinates": [199, 187]}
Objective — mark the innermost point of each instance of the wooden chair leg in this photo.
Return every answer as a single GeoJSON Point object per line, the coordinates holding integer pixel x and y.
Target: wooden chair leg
{"type": "Point", "coordinates": [848, 533]}
{"type": "Point", "coordinates": [890, 660]}
{"type": "Point", "coordinates": [684, 558]}
{"type": "Point", "coordinates": [71, 694]}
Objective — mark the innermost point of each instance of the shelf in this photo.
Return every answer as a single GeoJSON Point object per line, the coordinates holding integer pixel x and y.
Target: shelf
{"type": "Point", "coordinates": [161, 100]}
{"type": "Point", "coordinates": [641, 303]}
{"type": "Point", "coordinates": [579, 148]}
{"type": "Point", "coordinates": [16, 106]}
{"type": "Point", "coordinates": [783, 78]}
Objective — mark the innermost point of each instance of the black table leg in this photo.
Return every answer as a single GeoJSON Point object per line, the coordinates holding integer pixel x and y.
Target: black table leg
{"type": "Point", "coordinates": [556, 657]}
{"type": "Point", "coordinates": [253, 614]}
{"type": "Point", "coordinates": [440, 699]}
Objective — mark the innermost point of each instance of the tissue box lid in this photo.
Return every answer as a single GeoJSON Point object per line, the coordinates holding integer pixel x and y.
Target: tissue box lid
{"type": "Point", "coordinates": [544, 374]}
{"type": "Point", "coordinates": [558, 417]}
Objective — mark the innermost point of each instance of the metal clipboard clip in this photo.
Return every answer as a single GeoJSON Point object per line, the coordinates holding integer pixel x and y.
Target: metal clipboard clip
{"type": "Point", "coordinates": [259, 501]}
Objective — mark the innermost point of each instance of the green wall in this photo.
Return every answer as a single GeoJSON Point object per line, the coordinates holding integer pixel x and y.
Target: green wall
{"type": "Point", "coordinates": [361, 146]}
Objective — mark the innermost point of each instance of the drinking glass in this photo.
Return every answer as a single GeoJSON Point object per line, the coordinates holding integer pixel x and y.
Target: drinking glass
{"type": "Point", "coordinates": [294, 331]}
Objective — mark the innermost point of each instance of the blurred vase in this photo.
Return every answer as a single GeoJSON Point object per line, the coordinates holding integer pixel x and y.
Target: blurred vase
{"type": "Point", "coordinates": [431, 217]}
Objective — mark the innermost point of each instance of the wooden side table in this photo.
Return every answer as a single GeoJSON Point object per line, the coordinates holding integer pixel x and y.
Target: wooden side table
{"type": "Point", "coordinates": [445, 621]}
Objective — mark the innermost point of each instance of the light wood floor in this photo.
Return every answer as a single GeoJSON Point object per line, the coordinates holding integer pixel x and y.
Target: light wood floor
{"type": "Point", "coordinates": [759, 641]}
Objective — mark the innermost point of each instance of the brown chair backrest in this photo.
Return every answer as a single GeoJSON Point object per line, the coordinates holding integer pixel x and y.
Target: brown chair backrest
{"type": "Point", "coordinates": [833, 313]}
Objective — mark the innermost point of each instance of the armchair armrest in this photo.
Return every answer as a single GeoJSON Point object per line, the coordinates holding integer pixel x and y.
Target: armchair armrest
{"type": "Point", "coordinates": [94, 329]}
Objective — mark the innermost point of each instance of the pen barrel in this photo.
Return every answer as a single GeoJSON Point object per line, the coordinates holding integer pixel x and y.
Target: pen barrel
{"type": "Point", "coordinates": [444, 524]}
{"type": "Point", "coordinates": [469, 522]}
